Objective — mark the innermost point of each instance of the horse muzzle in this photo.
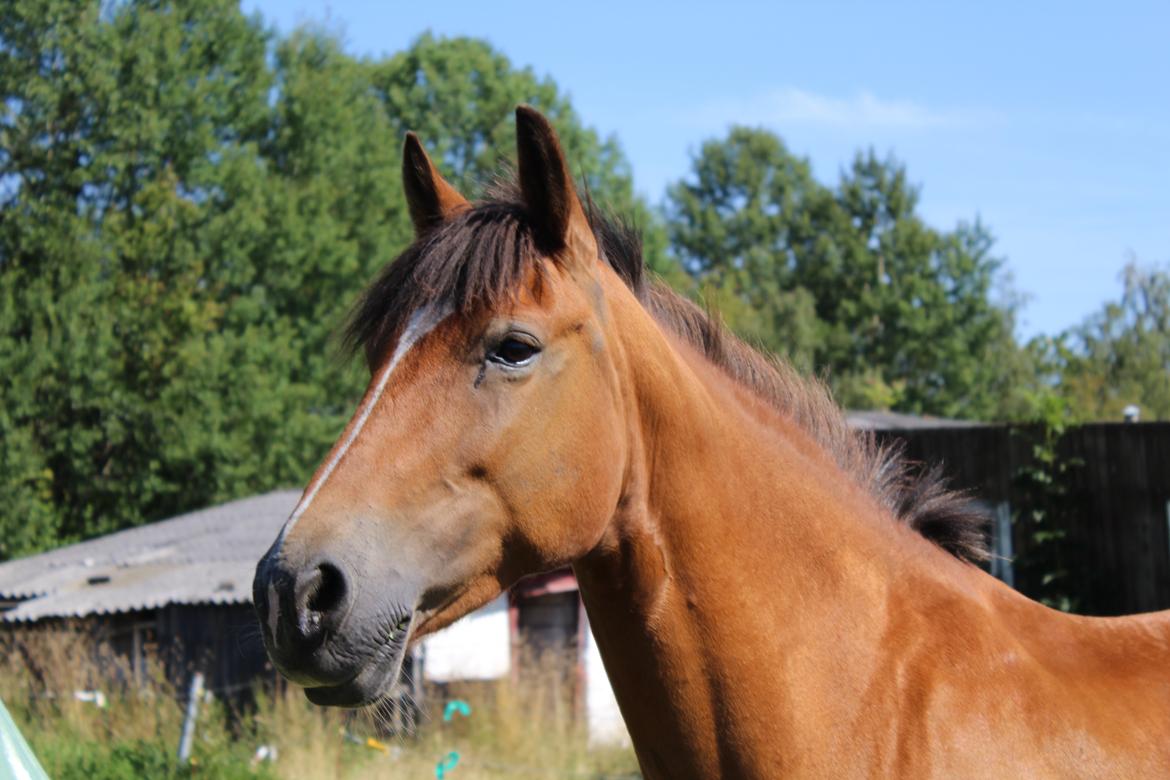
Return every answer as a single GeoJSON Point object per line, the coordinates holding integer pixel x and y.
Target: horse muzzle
{"type": "Point", "coordinates": [324, 629]}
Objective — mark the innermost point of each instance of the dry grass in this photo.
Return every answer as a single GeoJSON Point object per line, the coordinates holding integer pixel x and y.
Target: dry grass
{"type": "Point", "coordinates": [516, 729]}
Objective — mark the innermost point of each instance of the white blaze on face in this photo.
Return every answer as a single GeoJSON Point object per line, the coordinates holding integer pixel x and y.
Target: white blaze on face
{"type": "Point", "coordinates": [420, 324]}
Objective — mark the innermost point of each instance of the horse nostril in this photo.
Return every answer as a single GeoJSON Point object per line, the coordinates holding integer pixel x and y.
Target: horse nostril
{"type": "Point", "coordinates": [330, 591]}
{"type": "Point", "coordinates": [320, 594]}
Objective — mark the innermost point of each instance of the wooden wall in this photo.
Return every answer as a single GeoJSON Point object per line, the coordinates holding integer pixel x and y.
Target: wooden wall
{"type": "Point", "coordinates": [1117, 511]}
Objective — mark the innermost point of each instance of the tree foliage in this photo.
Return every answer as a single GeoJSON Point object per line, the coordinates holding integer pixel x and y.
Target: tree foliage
{"type": "Point", "coordinates": [188, 205]}
{"type": "Point", "coordinates": [1120, 355]}
{"type": "Point", "coordinates": [849, 280]}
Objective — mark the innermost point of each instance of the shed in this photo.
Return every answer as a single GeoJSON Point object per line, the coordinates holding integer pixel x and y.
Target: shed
{"type": "Point", "coordinates": [181, 588]}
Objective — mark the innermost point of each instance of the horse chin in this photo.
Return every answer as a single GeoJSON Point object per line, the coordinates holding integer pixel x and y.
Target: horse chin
{"type": "Point", "coordinates": [373, 678]}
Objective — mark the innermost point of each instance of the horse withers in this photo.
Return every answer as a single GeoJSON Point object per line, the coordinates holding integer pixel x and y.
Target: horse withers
{"type": "Point", "coordinates": [772, 594]}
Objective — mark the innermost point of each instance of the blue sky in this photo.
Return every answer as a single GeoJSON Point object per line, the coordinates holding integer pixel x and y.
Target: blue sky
{"type": "Point", "coordinates": [1050, 121]}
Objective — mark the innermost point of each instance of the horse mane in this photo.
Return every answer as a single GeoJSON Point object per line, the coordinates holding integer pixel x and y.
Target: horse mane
{"type": "Point", "coordinates": [480, 258]}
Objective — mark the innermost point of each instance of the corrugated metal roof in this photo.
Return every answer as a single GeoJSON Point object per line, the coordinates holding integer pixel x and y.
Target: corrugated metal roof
{"type": "Point", "coordinates": [204, 557]}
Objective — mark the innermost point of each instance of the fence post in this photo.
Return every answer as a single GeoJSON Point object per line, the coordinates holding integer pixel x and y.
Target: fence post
{"type": "Point", "coordinates": [194, 694]}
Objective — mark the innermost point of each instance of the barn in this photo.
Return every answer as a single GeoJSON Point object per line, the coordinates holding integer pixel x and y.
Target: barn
{"type": "Point", "coordinates": [178, 589]}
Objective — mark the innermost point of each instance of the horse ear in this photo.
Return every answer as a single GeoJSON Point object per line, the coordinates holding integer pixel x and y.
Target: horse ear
{"type": "Point", "coordinates": [546, 184]}
{"type": "Point", "coordinates": [430, 198]}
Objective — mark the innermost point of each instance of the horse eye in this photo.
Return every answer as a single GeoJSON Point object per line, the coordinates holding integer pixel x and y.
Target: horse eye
{"type": "Point", "coordinates": [513, 352]}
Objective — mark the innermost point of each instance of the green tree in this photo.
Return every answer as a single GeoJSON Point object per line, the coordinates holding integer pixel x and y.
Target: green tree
{"type": "Point", "coordinates": [850, 280]}
{"type": "Point", "coordinates": [1121, 354]}
{"type": "Point", "coordinates": [737, 226]}
{"type": "Point", "coordinates": [119, 135]}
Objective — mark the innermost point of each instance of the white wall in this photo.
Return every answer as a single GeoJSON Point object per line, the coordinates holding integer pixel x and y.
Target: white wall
{"type": "Point", "coordinates": [605, 719]}
{"type": "Point", "coordinates": [478, 647]}
{"type": "Point", "coordinates": [475, 647]}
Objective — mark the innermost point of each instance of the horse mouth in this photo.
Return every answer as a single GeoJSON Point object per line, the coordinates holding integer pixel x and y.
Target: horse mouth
{"type": "Point", "coordinates": [375, 676]}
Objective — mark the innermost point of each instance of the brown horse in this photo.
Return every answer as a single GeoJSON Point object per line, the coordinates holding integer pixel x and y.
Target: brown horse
{"type": "Point", "coordinates": [772, 594]}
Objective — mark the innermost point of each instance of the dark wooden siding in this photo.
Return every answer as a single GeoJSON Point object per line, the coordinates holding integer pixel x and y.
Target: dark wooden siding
{"type": "Point", "coordinates": [1117, 514]}
{"type": "Point", "coordinates": [223, 642]}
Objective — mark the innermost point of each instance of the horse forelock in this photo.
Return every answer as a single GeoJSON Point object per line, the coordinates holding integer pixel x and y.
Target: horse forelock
{"type": "Point", "coordinates": [483, 257]}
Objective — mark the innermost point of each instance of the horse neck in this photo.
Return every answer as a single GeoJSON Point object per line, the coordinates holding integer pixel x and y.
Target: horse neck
{"type": "Point", "coordinates": [741, 566]}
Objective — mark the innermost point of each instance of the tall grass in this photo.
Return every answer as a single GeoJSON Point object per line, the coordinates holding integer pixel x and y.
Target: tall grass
{"type": "Point", "coordinates": [528, 728]}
